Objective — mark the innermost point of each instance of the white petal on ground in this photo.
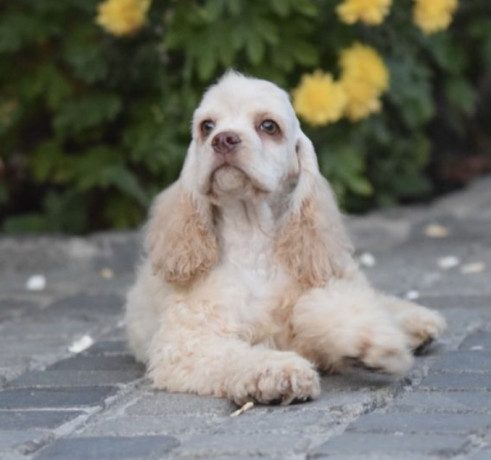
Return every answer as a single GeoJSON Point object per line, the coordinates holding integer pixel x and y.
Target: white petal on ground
{"type": "Point", "coordinates": [412, 295]}
{"type": "Point", "coordinates": [367, 259]}
{"type": "Point", "coordinates": [36, 283]}
{"type": "Point", "coordinates": [472, 268]}
{"type": "Point", "coordinates": [81, 344]}
{"type": "Point", "coordinates": [436, 231]}
{"type": "Point", "coordinates": [447, 262]}
{"type": "Point", "coordinates": [107, 273]}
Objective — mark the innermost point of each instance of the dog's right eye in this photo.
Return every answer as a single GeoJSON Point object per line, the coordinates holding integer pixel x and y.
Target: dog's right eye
{"type": "Point", "coordinates": [207, 127]}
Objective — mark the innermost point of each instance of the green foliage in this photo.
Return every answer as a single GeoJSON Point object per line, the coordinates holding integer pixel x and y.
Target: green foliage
{"type": "Point", "coordinates": [93, 126]}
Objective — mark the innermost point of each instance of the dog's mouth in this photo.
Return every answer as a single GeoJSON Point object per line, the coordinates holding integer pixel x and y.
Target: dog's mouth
{"type": "Point", "coordinates": [229, 179]}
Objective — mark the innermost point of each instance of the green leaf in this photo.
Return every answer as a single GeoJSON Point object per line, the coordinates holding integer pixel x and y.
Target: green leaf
{"type": "Point", "coordinates": [255, 49]}
{"type": "Point", "coordinates": [462, 95]}
{"type": "Point", "coordinates": [75, 116]}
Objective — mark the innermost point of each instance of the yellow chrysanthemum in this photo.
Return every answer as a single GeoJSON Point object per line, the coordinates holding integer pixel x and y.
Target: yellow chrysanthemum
{"type": "Point", "coordinates": [362, 99]}
{"type": "Point", "coordinates": [434, 15]}
{"type": "Point", "coordinates": [122, 17]}
{"type": "Point", "coordinates": [362, 62]}
{"type": "Point", "coordinates": [371, 12]}
{"type": "Point", "coordinates": [364, 78]}
{"type": "Point", "coordinates": [319, 99]}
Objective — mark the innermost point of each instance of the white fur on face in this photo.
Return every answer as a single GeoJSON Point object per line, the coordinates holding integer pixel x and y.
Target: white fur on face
{"type": "Point", "coordinates": [262, 162]}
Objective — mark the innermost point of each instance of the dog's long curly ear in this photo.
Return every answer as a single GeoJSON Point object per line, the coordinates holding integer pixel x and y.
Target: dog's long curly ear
{"type": "Point", "coordinates": [180, 238]}
{"type": "Point", "coordinates": [313, 243]}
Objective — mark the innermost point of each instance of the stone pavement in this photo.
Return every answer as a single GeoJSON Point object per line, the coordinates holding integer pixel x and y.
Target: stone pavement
{"type": "Point", "coordinates": [96, 404]}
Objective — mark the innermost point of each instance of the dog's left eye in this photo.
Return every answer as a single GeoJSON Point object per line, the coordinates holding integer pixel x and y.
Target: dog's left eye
{"type": "Point", "coordinates": [269, 127]}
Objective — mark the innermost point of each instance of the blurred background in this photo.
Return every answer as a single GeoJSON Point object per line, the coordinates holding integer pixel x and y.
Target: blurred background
{"type": "Point", "coordinates": [96, 97]}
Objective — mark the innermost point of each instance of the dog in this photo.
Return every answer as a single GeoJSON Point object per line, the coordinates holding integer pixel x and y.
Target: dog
{"type": "Point", "coordinates": [248, 285]}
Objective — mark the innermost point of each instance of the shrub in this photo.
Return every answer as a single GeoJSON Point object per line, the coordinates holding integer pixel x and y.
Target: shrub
{"type": "Point", "coordinates": [97, 97]}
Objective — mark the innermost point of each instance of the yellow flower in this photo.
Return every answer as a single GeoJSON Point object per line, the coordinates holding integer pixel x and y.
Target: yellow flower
{"type": "Point", "coordinates": [364, 78]}
{"type": "Point", "coordinates": [122, 17]}
{"type": "Point", "coordinates": [319, 99]}
{"type": "Point", "coordinates": [434, 15]}
{"type": "Point", "coordinates": [363, 99]}
{"type": "Point", "coordinates": [371, 12]}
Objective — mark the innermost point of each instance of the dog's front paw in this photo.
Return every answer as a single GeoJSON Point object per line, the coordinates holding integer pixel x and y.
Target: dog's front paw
{"type": "Point", "coordinates": [281, 378]}
{"type": "Point", "coordinates": [423, 327]}
{"type": "Point", "coordinates": [383, 352]}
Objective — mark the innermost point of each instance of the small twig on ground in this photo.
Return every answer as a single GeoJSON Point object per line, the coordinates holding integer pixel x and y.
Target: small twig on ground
{"type": "Point", "coordinates": [244, 408]}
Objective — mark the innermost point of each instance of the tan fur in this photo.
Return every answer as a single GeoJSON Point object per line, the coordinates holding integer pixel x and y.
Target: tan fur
{"type": "Point", "coordinates": [313, 243]}
{"type": "Point", "coordinates": [243, 294]}
{"type": "Point", "coordinates": [180, 239]}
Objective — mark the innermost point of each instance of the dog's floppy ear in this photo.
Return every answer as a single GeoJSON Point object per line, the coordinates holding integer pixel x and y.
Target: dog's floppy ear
{"type": "Point", "coordinates": [312, 243]}
{"type": "Point", "coordinates": [180, 238]}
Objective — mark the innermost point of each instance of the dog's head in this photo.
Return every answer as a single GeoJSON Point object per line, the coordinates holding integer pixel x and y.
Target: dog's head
{"type": "Point", "coordinates": [244, 137]}
{"type": "Point", "coordinates": [247, 145]}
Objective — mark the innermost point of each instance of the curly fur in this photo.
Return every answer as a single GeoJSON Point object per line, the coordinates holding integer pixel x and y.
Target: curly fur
{"type": "Point", "coordinates": [248, 285]}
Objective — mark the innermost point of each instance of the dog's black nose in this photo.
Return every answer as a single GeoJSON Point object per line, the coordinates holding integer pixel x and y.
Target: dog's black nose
{"type": "Point", "coordinates": [225, 142]}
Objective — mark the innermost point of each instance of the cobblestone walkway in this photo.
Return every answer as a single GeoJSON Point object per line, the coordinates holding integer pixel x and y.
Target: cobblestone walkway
{"type": "Point", "coordinates": [56, 404]}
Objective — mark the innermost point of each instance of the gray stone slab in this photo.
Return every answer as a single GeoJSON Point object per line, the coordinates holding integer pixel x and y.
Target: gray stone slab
{"type": "Point", "coordinates": [109, 448]}
{"type": "Point", "coordinates": [390, 443]}
{"type": "Point", "coordinates": [46, 398]}
{"type": "Point", "coordinates": [122, 425]}
{"type": "Point", "coordinates": [480, 340]}
{"type": "Point", "coordinates": [466, 302]}
{"type": "Point", "coordinates": [164, 403]}
{"type": "Point", "coordinates": [12, 439]}
{"type": "Point", "coordinates": [75, 378]}
{"type": "Point", "coordinates": [463, 361]}
{"type": "Point", "coordinates": [465, 382]}
{"type": "Point", "coordinates": [14, 309]}
{"type": "Point", "coordinates": [108, 348]}
{"type": "Point", "coordinates": [218, 445]}
{"type": "Point", "coordinates": [421, 423]}
{"type": "Point", "coordinates": [32, 329]}
{"type": "Point", "coordinates": [23, 420]}
{"type": "Point", "coordinates": [103, 363]}
{"type": "Point", "coordinates": [84, 306]}
{"type": "Point", "coordinates": [271, 421]}
{"type": "Point", "coordinates": [377, 456]}
{"type": "Point", "coordinates": [444, 401]}
{"type": "Point", "coordinates": [484, 454]}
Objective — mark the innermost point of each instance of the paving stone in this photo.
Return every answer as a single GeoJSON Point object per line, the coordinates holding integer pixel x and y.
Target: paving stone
{"type": "Point", "coordinates": [480, 340]}
{"type": "Point", "coordinates": [463, 361]}
{"type": "Point", "coordinates": [104, 363]}
{"type": "Point", "coordinates": [23, 420]}
{"type": "Point", "coordinates": [376, 456]}
{"type": "Point", "coordinates": [484, 454]}
{"type": "Point", "coordinates": [84, 306]}
{"type": "Point", "coordinates": [75, 378]}
{"type": "Point", "coordinates": [14, 309]}
{"type": "Point", "coordinates": [359, 443]}
{"type": "Point", "coordinates": [466, 382]}
{"type": "Point", "coordinates": [12, 439]}
{"type": "Point", "coordinates": [235, 444]}
{"type": "Point", "coordinates": [260, 421]}
{"type": "Point", "coordinates": [443, 401]}
{"type": "Point", "coordinates": [123, 425]}
{"type": "Point", "coordinates": [108, 448]}
{"type": "Point", "coordinates": [164, 403]}
{"type": "Point", "coordinates": [466, 302]}
{"type": "Point", "coordinates": [421, 423]}
{"type": "Point", "coordinates": [108, 348]}
{"type": "Point", "coordinates": [38, 398]}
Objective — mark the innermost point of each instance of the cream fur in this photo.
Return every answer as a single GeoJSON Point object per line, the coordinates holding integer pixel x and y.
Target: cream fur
{"type": "Point", "coordinates": [248, 284]}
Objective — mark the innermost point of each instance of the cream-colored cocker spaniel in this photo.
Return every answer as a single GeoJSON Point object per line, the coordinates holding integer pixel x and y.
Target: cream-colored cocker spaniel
{"type": "Point", "coordinates": [249, 284]}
